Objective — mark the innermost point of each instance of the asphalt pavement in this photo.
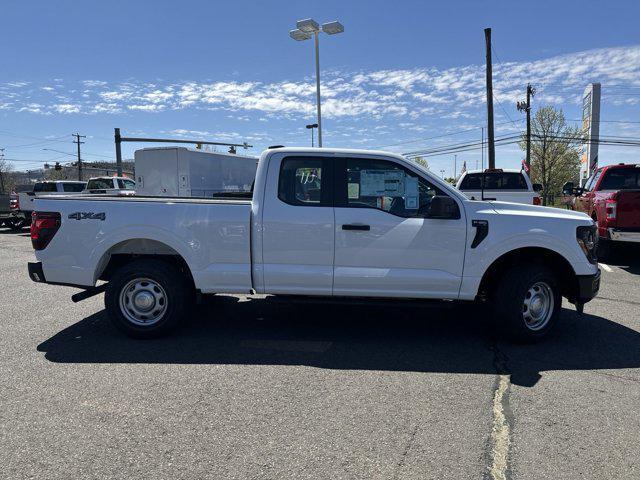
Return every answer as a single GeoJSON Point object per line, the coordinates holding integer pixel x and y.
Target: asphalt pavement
{"type": "Point", "coordinates": [259, 388]}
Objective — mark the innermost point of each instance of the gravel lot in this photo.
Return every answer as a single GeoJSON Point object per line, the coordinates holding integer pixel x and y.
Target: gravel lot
{"type": "Point", "coordinates": [255, 388]}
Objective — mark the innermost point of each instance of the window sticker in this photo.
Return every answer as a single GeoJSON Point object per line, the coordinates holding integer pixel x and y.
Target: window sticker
{"type": "Point", "coordinates": [411, 193]}
{"type": "Point", "coordinates": [382, 183]}
{"type": "Point", "coordinates": [353, 191]}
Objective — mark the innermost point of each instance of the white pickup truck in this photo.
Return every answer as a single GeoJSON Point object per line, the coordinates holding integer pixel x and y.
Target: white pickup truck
{"type": "Point", "coordinates": [110, 186]}
{"type": "Point", "coordinates": [47, 187]}
{"type": "Point", "coordinates": [504, 185]}
{"type": "Point", "coordinates": [321, 222]}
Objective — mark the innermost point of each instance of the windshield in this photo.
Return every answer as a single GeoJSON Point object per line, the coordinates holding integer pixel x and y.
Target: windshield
{"type": "Point", "coordinates": [494, 181]}
{"type": "Point", "coordinates": [621, 179]}
{"type": "Point", "coordinates": [125, 184]}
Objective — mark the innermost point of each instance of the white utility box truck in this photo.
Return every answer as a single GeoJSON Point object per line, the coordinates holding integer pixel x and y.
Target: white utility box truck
{"type": "Point", "coordinates": [184, 172]}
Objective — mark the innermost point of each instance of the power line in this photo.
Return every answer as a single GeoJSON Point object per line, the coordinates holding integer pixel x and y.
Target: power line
{"type": "Point", "coordinates": [457, 132]}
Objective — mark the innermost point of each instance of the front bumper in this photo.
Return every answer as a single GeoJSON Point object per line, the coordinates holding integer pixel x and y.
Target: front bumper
{"type": "Point", "coordinates": [624, 235]}
{"type": "Point", "coordinates": [588, 286]}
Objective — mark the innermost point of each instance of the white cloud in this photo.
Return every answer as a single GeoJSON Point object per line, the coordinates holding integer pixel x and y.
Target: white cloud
{"type": "Point", "coordinates": [94, 83]}
{"type": "Point", "coordinates": [147, 107]}
{"type": "Point", "coordinates": [406, 94]}
{"type": "Point", "coordinates": [66, 108]}
{"type": "Point", "coordinates": [32, 108]}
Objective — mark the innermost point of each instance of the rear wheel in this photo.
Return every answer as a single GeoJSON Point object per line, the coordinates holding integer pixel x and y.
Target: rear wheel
{"type": "Point", "coordinates": [147, 298]}
{"type": "Point", "coordinates": [526, 302]}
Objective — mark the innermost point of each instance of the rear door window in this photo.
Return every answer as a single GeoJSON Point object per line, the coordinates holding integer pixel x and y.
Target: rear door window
{"type": "Point", "coordinates": [494, 181]}
{"type": "Point", "coordinates": [72, 187]}
{"type": "Point", "coordinates": [305, 181]}
{"type": "Point", "coordinates": [45, 187]}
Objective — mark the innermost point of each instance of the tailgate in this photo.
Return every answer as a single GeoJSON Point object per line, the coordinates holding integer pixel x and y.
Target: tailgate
{"type": "Point", "coordinates": [628, 211]}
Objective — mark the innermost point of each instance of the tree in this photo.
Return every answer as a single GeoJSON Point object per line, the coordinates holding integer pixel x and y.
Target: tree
{"type": "Point", "coordinates": [555, 154]}
{"type": "Point", "coordinates": [5, 168]}
{"type": "Point", "coordinates": [422, 161]}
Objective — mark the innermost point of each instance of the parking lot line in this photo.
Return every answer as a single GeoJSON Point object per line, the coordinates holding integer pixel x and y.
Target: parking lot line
{"type": "Point", "coordinates": [605, 267]}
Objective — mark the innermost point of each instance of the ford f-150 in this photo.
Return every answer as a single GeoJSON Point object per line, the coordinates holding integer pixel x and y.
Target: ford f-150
{"type": "Point", "coordinates": [320, 222]}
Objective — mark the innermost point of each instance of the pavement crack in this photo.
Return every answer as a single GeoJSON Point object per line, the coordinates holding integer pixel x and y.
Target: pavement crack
{"type": "Point", "coordinates": [621, 300]}
{"type": "Point", "coordinates": [500, 437]}
{"type": "Point", "coordinates": [406, 450]}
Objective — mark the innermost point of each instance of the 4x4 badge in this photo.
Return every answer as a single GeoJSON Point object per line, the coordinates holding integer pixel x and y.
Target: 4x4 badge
{"type": "Point", "coordinates": [87, 216]}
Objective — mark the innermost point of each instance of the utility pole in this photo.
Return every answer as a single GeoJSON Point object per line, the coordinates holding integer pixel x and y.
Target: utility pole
{"type": "Point", "coordinates": [526, 107]}
{"type": "Point", "coordinates": [1, 170]}
{"type": "Point", "coordinates": [118, 140]}
{"type": "Point", "coordinates": [492, 147]}
{"type": "Point", "coordinates": [455, 166]}
{"type": "Point", "coordinates": [78, 142]}
{"type": "Point", "coordinates": [481, 149]}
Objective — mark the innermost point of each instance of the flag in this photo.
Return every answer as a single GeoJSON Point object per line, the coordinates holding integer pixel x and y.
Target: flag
{"type": "Point", "coordinates": [525, 167]}
{"type": "Point", "coordinates": [464, 167]}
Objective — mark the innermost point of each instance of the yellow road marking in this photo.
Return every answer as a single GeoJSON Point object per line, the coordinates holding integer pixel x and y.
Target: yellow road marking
{"type": "Point", "coordinates": [500, 432]}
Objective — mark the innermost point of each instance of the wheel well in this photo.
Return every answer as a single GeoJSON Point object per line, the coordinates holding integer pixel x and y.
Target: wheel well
{"type": "Point", "coordinates": [133, 249]}
{"type": "Point", "coordinates": [553, 260]}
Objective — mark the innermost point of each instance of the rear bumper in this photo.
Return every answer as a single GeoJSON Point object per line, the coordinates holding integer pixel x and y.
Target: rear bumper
{"type": "Point", "coordinates": [37, 275]}
{"type": "Point", "coordinates": [588, 286]}
{"type": "Point", "coordinates": [35, 272]}
{"type": "Point", "coordinates": [623, 235]}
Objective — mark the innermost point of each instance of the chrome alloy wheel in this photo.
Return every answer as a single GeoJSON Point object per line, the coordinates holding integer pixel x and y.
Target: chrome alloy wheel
{"type": "Point", "coordinates": [143, 301]}
{"type": "Point", "coordinates": [538, 306]}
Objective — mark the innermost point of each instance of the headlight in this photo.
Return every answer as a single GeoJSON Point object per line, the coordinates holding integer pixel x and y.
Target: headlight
{"type": "Point", "coordinates": [588, 240]}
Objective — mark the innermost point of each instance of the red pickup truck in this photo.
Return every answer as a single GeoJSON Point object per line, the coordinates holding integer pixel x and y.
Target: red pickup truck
{"type": "Point", "coordinates": [611, 197]}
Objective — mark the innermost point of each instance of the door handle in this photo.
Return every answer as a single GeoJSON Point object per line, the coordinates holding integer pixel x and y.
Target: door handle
{"type": "Point", "coordinates": [356, 226]}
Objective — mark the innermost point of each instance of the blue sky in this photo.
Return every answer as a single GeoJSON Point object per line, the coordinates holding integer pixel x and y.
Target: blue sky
{"type": "Point", "coordinates": [401, 73]}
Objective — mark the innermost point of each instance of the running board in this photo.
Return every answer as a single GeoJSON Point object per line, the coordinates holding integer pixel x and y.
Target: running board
{"type": "Point", "coordinates": [88, 293]}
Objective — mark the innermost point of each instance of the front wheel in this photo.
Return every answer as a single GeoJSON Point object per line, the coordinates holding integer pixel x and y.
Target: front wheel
{"type": "Point", "coordinates": [147, 298]}
{"type": "Point", "coordinates": [526, 302]}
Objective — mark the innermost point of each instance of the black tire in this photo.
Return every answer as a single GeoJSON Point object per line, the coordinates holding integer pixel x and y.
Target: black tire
{"type": "Point", "coordinates": [604, 250]}
{"type": "Point", "coordinates": [514, 290]}
{"type": "Point", "coordinates": [17, 225]}
{"type": "Point", "coordinates": [173, 298]}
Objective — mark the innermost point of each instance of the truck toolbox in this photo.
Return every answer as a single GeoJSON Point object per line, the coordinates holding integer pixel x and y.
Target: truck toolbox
{"type": "Point", "coordinates": [183, 172]}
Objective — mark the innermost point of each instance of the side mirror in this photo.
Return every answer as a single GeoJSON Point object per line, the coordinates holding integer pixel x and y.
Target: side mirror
{"type": "Point", "coordinates": [537, 187]}
{"type": "Point", "coordinates": [568, 188]}
{"type": "Point", "coordinates": [444, 207]}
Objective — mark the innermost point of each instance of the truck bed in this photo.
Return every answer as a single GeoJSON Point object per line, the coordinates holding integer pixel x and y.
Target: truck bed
{"type": "Point", "coordinates": [212, 235]}
{"type": "Point", "coordinates": [236, 198]}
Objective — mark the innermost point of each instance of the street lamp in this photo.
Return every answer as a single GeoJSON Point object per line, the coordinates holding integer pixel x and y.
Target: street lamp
{"type": "Point", "coordinates": [311, 127]}
{"type": "Point", "coordinates": [305, 30]}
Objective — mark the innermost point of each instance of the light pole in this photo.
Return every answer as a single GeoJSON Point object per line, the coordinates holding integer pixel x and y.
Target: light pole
{"type": "Point", "coordinates": [304, 31]}
{"type": "Point", "coordinates": [311, 127]}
